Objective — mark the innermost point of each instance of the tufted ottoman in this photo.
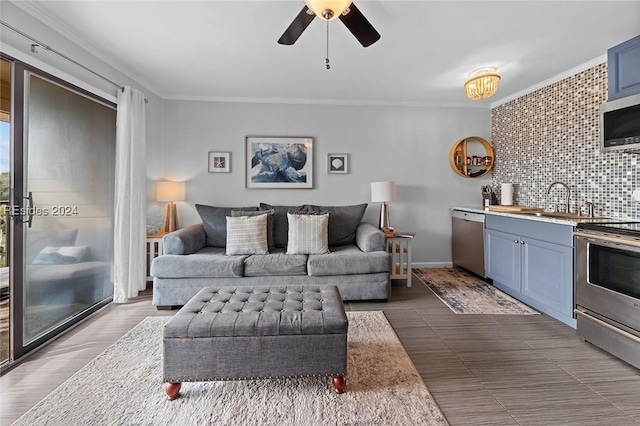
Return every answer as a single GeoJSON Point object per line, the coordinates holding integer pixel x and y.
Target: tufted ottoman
{"type": "Point", "coordinates": [235, 333]}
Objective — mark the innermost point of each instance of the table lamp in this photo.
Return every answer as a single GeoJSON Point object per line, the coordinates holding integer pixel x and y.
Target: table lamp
{"type": "Point", "coordinates": [169, 192]}
{"type": "Point", "coordinates": [383, 192]}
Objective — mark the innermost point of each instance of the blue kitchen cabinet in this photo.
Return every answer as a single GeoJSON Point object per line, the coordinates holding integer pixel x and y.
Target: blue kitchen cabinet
{"type": "Point", "coordinates": [623, 65]}
{"type": "Point", "coordinates": [547, 274]}
{"type": "Point", "coordinates": [503, 261]}
{"type": "Point", "coordinates": [533, 262]}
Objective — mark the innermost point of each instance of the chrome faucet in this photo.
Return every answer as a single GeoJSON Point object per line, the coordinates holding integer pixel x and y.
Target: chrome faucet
{"type": "Point", "coordinates": [566, 204]}
{"type": "Point", "coordinates": [589, 206]}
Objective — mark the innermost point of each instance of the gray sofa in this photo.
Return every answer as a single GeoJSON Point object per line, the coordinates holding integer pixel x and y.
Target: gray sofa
{"type": "Point", "coordinates": [194, 257]}
{"type": "Point", "coordinates": [58, 279]}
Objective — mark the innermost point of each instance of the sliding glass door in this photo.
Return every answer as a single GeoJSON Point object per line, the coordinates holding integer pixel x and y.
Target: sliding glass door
{"type": "Point", "coordinates": [5, 185]}
{"type": "Point", "coordinates": [62, 207]}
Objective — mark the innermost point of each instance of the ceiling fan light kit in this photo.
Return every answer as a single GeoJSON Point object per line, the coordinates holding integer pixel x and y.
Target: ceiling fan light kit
{"type": "Point", "coordinates": [483, 83]}
{"type": "Point", "coordinates": [328, 9]}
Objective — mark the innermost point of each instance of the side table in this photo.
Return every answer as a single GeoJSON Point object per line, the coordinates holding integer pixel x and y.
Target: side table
{"type": "Point", "coordinates": [399, 247]}
{"type": "Point", "coordinates": [154, 249]}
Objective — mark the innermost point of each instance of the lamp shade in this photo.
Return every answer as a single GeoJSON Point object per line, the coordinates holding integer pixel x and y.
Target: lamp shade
{"type": "Point", "coordinates": [383, 191]}
{"type": "Point", "coordinates": [168, 191]}
{"type": "Point", "coordinates": [335, 6]}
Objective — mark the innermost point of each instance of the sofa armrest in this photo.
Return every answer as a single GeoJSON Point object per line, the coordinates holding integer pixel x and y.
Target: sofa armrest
{"type": "Point", "coordinates": [369, 238]}
{"type": "Point", "coordinates": [185, 241]}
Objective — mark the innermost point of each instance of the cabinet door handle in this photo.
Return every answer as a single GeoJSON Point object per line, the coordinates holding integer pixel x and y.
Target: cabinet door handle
{"type": "Point", "coordinates": [521, 242]}
{"type": "Point", "coordinates": [515, 241]}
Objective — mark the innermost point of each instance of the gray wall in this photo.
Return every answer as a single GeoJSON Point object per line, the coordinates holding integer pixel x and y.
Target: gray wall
{"type": "Point", "coordinates": [409, 145]}
{"type": "Point", "coordinates": [405, 144]}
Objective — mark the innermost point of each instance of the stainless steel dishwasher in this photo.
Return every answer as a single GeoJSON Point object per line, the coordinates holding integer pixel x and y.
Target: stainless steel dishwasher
{"type": "Point", "coordinates": [467, 245]}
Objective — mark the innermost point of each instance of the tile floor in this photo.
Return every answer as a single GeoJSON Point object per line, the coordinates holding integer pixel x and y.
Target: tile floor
{"type": "Point", "coordinates": [481, 369]}
{"type": "Point", "coordinates": [510, 369]}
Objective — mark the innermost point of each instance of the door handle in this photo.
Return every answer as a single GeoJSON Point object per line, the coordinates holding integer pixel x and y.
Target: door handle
{"type": "Point", "coordinates": [29, 209]}
{"type": "Point", "coordinates": [18, 211]}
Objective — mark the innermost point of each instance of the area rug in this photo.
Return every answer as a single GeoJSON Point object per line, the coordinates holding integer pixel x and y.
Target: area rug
{"type": "Point", "coordinates": [123, 386]}
{"type": "Point", "coordinates": [465, 293]}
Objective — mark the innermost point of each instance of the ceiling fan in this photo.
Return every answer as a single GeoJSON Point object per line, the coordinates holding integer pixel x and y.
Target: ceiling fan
{"type": "Point", "coordinates": [328, 10]}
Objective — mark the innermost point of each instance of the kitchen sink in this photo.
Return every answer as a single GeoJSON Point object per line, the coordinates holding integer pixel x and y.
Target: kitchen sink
{"type": "Point", "coordinates": [561, 215]}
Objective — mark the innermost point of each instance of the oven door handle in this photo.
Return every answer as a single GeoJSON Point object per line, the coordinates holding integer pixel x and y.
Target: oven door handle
{"type": "Point", "coordinates": [608, 241]}
{"type": "Point", "coordinates": [607, 325]}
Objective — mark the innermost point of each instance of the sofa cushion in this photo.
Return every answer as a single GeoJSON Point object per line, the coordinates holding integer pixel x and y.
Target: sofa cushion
{"type": "Point", "coordinates": [210, 262]}
{"type": "Point", "coordinates": [270, 219]}
{"type": "Point", "coordinates": [280, 222]}
{"type": "Point", "coordinates": [247, 235]}
{"type": "Point", "coordinates": [276, 263]}
{"type": "Point", "coordinates": [214, 220]}
{"type": "Point", "coordinates": [343, 222]}
{"type": "Point", "coordinates": [308, 233]}
{"type": "Point", "coordinates": [348, 260]}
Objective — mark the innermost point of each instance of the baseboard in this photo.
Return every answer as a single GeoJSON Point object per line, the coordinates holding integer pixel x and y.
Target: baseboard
{"type": "Point", "coordinates": [432, 265]}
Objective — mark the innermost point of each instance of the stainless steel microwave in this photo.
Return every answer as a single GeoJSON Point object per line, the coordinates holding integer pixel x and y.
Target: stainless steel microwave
{"type": "Point", "coordinates": [620, 124]}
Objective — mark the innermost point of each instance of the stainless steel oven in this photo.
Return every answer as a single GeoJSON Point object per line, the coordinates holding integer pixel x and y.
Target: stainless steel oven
{"type": "Point", "coordinates": [608, 287]}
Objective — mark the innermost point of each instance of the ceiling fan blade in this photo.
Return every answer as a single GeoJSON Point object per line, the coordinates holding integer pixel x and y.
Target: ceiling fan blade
{"type": "Point", "coordinates": [297, 27]}
{"type": "Point", "coordinates": [359, 26]}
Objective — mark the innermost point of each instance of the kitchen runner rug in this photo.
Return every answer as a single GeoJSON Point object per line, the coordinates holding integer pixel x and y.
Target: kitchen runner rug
{"type": "Point", "coordinates": [123, 386]}
{"type": "Point", "coordinates": [465, 293]}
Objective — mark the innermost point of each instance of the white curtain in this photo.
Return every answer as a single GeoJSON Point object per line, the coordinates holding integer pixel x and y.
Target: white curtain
{"type": "Point", "coordinates": [129, 227]}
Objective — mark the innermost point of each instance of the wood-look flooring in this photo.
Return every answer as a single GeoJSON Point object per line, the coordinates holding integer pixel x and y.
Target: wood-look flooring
{"type": "Point", "coordinates": [481, 369]}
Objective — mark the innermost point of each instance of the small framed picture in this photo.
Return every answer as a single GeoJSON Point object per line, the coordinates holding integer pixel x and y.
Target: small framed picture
{"type": "Point", "coordinates": [219, 162]}
{"type": "Point", "coordinates": [338, 163]}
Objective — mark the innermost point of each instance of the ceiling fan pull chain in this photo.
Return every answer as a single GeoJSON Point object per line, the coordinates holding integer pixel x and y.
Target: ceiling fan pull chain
{"type": "Point", "coordinates": [326, 61]}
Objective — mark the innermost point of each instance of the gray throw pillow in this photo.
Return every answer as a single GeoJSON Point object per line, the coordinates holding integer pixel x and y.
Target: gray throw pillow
{"type": "Point", "coordinates": [280, 224]}
{"type": "Point", "coordinates": [214, 221]}
{"type": "Point", "coordinates": [270, 219]}
{"type": "Point", "coordinates": [343, 222]}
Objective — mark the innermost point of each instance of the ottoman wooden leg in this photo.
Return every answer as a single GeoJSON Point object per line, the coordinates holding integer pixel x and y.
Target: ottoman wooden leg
{"type": "Point", "coordinates": [340, 384]}
{"type": "Point", "coordinates": [172, 390]}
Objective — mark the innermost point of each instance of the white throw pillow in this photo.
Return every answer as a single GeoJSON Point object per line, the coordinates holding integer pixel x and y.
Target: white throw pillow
{"type": "Point", "coordinates": [308, 233]}
{"type": "Point", "coordinates": [247, 235]}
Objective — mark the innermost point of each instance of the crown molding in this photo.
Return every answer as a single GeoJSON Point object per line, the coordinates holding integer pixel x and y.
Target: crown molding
{"type": "Point", "coordinates": [336, 102]}
{"type": "Point", "coordinates": [566, 74]}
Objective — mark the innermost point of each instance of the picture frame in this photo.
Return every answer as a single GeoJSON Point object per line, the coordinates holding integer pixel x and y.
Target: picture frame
{"type": "Point", "coordinates": [219, 162]}
{"type": "Point", "coordinates": [338, 163]}
{"type": "Point", "coordinates": [278, 162]}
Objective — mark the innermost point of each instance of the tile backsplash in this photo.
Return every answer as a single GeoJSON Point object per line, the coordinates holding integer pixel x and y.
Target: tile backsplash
{"type": "Point", "coordinates": [553, 134]}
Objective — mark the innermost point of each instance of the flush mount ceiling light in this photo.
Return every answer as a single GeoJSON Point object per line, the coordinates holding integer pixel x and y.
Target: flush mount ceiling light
{"type": "Point", "coordinates": [483, 83]}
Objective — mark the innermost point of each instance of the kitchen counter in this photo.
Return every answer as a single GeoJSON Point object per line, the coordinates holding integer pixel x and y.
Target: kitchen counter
{"type": "Point", "coordinates": [561, 221]}
{"type": "Point", "coordinates": [532, 257]}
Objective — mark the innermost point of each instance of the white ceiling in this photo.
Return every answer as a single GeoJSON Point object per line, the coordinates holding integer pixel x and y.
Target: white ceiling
{"type": "Point", "coordinates": [227, 50]}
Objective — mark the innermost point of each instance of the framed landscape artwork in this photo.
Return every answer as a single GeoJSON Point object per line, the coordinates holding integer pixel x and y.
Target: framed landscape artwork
{"type": "Point", "coordinates": [338, 163]}
{"type": "Point", "coordinates": [219, 162]}
{"type": "Point", "coordinates": [279, 162]}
